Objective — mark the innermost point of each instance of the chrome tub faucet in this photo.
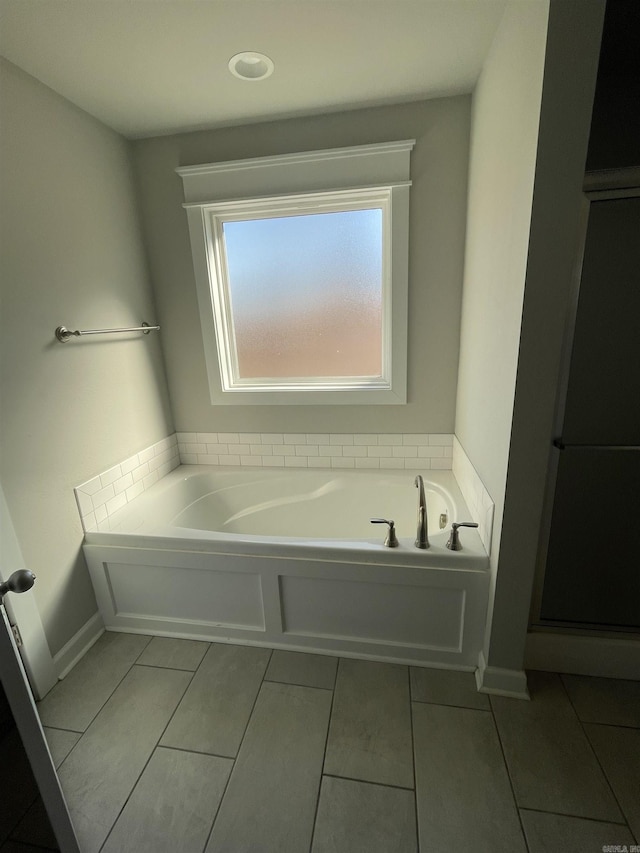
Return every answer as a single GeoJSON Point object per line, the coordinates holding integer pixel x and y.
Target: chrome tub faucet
{"type": "Point", "coordinates": [422, 536]}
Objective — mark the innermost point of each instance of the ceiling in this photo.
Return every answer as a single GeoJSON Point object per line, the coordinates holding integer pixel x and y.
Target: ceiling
{"type": "Point", "coordinates": [150, 67]}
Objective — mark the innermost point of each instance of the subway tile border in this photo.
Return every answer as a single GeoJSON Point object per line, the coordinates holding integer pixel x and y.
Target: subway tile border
{"type": "Point", "coordinates": [317, 450]}
{"type": "Point", "coordinates": [476, 497]}
{"type": "Point", "coordinates": [109, 491]}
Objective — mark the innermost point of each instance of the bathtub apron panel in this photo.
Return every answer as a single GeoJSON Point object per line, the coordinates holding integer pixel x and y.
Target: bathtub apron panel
{"type": "Point", "coordinates": [350, 598]}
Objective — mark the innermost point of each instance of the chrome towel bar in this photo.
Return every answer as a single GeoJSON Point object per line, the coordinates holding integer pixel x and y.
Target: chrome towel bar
{"type": "Point", "coordinates": [63, 334]}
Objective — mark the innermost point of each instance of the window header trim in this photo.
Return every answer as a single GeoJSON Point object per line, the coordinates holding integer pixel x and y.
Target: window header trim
{"type": "Point", "coordinates": [384, 164]}
{"type": "Point", "coordinates": [399, 147]}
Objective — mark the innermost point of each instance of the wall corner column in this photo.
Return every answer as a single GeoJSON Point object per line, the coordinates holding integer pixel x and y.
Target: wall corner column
{"type": "Point", "coordinates": [571, 62]}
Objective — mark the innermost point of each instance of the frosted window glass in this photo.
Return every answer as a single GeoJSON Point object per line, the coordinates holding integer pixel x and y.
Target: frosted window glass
{"type": "Point", "coordinates": [306, 294]}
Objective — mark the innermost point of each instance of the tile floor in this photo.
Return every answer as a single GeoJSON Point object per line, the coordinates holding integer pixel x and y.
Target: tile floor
{"type": "Point", "coordinates": [191, 747]}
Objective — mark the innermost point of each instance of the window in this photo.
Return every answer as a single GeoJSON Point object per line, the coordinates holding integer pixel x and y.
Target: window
{"type": "Point", "coordinates": [302, 281]}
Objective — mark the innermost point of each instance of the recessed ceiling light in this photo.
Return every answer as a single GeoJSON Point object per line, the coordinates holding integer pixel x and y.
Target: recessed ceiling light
{"type": "Point", "coordinates": [251, 66]}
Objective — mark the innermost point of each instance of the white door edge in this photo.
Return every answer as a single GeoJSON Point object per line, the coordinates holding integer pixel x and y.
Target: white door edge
{"type": "Point", "coordinates": [23, 611]}
{"type": "Point", "coordinates": [16, 687]}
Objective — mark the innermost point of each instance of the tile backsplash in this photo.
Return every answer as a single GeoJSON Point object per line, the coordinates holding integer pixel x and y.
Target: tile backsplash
{"type": "Point", "coordinates": [317, 450]}
{"type": "Point", "coordinates": [477, 498]}
{"type": "Point", "coordinates": [109, 491]}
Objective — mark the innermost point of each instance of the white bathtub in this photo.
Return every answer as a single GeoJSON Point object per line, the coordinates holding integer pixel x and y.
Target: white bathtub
{"type": "Point", "coordinates": [289, 558]}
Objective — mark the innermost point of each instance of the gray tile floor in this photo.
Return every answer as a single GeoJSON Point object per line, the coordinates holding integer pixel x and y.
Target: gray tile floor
{"type": "Point", "coordinates": [190, 747]}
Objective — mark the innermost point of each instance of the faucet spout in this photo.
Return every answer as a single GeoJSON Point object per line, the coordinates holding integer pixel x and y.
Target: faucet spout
{"type": "Point", "coordinates": [422, 536]}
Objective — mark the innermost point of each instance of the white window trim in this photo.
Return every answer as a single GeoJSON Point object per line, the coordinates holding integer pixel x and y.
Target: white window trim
{"type": "Point", "coordinates": [267, 186]}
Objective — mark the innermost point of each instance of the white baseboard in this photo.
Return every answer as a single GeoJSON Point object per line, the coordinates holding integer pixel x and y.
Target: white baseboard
{"type": "Point", "coordinates": [501, 682]}
{"type": "Point", "coordinates": [604, 657]}
{"type": "Point", "coordinates": [292, 647]}
{"type": "Point", "coordinates": [78, 645]}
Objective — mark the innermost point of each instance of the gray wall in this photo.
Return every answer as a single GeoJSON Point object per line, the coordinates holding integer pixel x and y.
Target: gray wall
{"type": "Point", "coordinates": [438, 202]}
{"type": "Point", "coordinates": [71, 254]}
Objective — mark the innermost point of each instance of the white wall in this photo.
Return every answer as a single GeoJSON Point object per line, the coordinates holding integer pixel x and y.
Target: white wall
{"type": "Point", "coordinates": [506, 108]}
{"type": "Point", "coordinates": [511, 335]}
{"type": "Point", "coordinates": [71, 255]}
{"type": "Point", "coordinates": [436, 244]}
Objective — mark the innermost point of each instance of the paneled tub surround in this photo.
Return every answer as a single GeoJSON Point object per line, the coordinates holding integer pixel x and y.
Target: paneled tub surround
{"type": "Point", "coordinates": [277, 557]}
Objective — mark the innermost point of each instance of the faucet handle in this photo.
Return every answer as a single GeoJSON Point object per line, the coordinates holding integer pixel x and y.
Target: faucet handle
{"type": "Point", "coordinates": [454, 540]}
{"type": "Point", "coordinates": [392, 540]}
